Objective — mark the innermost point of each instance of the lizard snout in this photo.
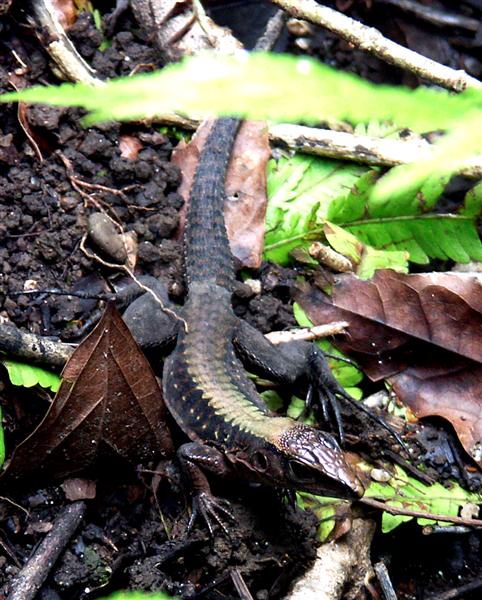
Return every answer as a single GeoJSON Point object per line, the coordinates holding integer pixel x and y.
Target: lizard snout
{"type": "Point", "coordinates": [317, 464]}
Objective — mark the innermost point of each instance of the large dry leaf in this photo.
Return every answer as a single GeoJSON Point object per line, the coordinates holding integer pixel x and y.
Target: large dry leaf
{"type": "Point", "coordinates": [421, 332]}
{"type": "Point", "coordinates": [245, 205]}
{"type": "Point", "coordinates": [109, 402]}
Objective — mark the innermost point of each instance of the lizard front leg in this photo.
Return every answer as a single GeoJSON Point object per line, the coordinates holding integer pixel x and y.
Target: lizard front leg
{"type": "Point", "coordinates": [195, 459]}
{"type": "Point", "coordinates": [298, 362]}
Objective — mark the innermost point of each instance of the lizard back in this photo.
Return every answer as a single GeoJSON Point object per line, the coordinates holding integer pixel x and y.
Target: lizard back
{"type": "Point", "coordinates": [207, 255]}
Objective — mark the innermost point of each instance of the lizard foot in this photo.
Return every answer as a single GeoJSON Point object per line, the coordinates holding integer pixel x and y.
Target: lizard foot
{"type": "Point", "coordinates": [212, 510]}
{"type": "Point", "coordinates": [329, 393]}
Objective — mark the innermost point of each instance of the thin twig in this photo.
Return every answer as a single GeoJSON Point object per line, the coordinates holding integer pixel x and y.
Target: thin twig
{"type": "Point", "coordinates": [272, 32]}
{"type": "Point", "coordinates": [420, 514]}
{"type": "Point", "coordinates": [459, 592]}
{"type": "Point", "coordinates": [358, 148]}
{"type": "Point", "coordinates": [203, 21]}
{"type": "Point", "coordinates": [29, 580]}
{"type": "Point", "coordinates": [19, 506]}
{"type": "Point", "coordinates": [59, 46]}
{"type": "Point", "coordinates": [8, 550]}
{"type": "Point", "coordinates": [240, 584]}
{"type": "Point", "coordinates": [372, 41]}
{"type": "Point", "coordinates": [307, 334]}
{"type": "Point", "coordinates": [31, 347]}
{"type": "Point", "coordinates": [128, 271]}
{"type": "Point", "coordinates": [384, 581]}
{"type": "Point", "coordinates": [342, 145]}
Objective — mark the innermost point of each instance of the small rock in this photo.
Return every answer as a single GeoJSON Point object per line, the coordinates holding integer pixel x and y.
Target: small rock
{"type": "Point", "coordinates": [105, 235]}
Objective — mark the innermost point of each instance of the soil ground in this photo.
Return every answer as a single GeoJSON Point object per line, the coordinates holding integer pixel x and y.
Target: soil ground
{"type": "Point", "coordinates": [133, 537]}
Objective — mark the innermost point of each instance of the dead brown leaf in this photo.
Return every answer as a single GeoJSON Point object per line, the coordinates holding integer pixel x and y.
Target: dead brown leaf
{"type": "Point", "coordinates": [245, 206]}
{"type": "Point", "coordinates": [130, 146]}
{"type": "Point", "coordinates": [66, 11]}
{"type": "Point", "coordinates": [109, 402]}
{"type": "Point", "coordinates": [423, 333]}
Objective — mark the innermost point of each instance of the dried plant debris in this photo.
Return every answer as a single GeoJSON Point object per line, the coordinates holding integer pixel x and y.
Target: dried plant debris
{"type": "Point", "coordinates": [420, 332]}
{"type": "Point", "coordinates": [109, 402]}
{"type": "Point", "coordinates": [245, 207]}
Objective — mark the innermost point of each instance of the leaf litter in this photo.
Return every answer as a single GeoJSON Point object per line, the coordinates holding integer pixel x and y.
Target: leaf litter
{"type": "Point", "coordinates": [422, 333]}
{"type": "Point", "coordinates": [109, 401]}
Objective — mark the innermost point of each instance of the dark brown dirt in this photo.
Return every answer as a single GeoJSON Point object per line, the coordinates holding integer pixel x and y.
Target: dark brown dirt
{"type": "Point", "coordinates": [44, 210]}
{"type": "Point", "coordinates": [133, 537]}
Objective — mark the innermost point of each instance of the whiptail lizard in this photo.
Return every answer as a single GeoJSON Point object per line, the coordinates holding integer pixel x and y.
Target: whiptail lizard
{"type": "Point", "coordinates": [205, 386]}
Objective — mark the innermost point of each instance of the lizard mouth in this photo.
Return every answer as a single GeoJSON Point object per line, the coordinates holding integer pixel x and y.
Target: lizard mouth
{"type": "Point", "coordinates": [300, 472]}
{"type": "Point", "coordinates": [306, 478]}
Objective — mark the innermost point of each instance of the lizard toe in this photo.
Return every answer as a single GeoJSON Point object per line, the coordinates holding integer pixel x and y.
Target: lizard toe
{"type": "Point", "coordinates": [213, 511]}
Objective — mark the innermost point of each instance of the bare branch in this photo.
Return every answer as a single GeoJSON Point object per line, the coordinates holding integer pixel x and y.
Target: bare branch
{"type": "Point", "coordinates": [372, 41]}
{"type": "Point", "coordinates": [307, 334]}
{"type": "Point", "coordinates": [359, 148]}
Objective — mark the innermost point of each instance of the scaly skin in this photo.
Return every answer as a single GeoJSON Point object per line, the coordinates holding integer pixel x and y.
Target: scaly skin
{"type": "Point", "coordinates": [205, 386]}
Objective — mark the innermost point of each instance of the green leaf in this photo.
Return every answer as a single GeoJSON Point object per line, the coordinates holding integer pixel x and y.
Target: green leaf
{"type": "Point", "coordinates": [449, 155]}
{"type": "Point", "coordinates": [366, 258]}
{"type": "Point", "coordinates": [473, 202]}
{"type": "Point", "coordinates": [301, 317]}
{"type": "Point", "coordinates": [272, 399]}
{"type": "Point", "coordinates": [409, 493]}
{"type": "Point", "coordinates": [266, 86]}
{"type": "Point", "coordinates": [408, 200]}
{"type": "Point", "coordinates": [324, 509]}
{"type": "Point", "coordinates": [423, 236]}
{"type": "Point", "coordinates": [300, 191]}
{"type": "Point", "coordinates": [97, 19]}
{"type": "Point", "coordinates": [260, 86]}
{"type": "Point", "coordinates": [305, 193]}
{"type": "Point", "coordinates": [376, 128]}
{"type": "Point", "coordinates": [296, 409]}
{"type": "Point", "coordinates": [27, 375]}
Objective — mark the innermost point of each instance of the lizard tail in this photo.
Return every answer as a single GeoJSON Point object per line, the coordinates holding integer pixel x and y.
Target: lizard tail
{"type": "Point", "coordinates": [206, 246]}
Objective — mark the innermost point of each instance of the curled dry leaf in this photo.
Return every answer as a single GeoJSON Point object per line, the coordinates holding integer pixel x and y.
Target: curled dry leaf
{"type": "Point", "coordinates": [109, 402]}
{"type": "Point", "coordinates": [130, 146]}
{"type": "Point", "coordinates": [245, 206]}
{"type": "Point", "coordinates": [423, 333]}
{"type": "Point", "coordinates": [67, 10]}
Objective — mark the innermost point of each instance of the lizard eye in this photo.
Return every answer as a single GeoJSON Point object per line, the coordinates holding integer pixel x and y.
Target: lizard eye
{"type": "Point", "coordinates": [301, 472]}
{"type": "Point", "coordinates": [260, 462]}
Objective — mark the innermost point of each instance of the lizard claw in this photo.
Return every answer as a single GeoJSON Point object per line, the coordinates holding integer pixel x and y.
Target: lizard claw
{"type": "Point", "coordinates": [330, 392]}
{"type": "Point", "coordinates": [212, 510]}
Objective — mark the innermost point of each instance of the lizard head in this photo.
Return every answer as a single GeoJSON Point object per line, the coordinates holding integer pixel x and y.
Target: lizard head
{"type": "Point", "coordinates": [315, 463]}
